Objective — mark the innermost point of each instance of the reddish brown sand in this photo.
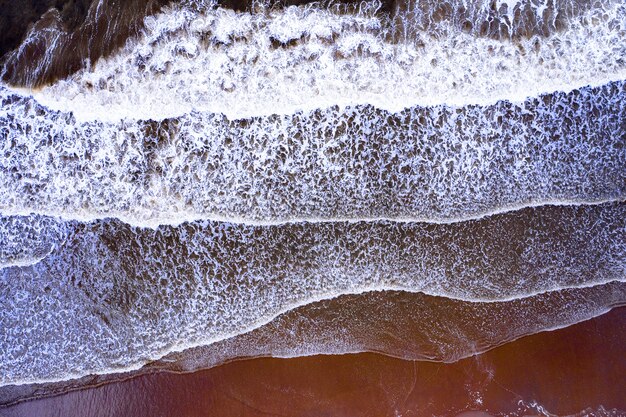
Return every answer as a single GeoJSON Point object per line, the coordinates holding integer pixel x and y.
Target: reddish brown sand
{"type": "Point", "coordinates": [566, 371]}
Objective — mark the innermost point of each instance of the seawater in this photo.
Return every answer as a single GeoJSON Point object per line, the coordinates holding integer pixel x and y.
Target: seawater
{"type": "Point", "coordinates": [236, 183]}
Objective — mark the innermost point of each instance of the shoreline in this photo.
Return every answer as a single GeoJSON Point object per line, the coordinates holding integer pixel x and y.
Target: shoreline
{"type": "Point", "coordinates": [489, 370]}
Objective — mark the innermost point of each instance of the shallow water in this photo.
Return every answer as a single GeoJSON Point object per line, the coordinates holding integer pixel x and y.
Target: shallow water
{"type": "Point", "coordinates": [117, 296]}
{"type": "Point", "coordinates": [573, 371]}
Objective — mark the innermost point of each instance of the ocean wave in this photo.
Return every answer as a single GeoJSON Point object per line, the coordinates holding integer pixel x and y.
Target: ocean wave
{"type": "Point", "coordinates": [424, 179]}
{"type": "Point", "coordinates": [180, 218]}
{"type": "Point", "coordinates": [209, 59]}
{"type": "Point", "coordinates": [433, 164]}
{"type": "Point", "coordinates": [405, 325]}
{"type": "Point", "coordinates": [113, 297]}
{"type": "Point", "coordinates": [59, 44]}
{"type": "Point", "coordinates": [410, 326]}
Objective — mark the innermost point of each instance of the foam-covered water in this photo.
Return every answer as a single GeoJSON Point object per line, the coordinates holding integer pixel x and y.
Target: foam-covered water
{"type": "Point", "coordinates": [27, 240]}
{"type": "Point", "coordinates": [394, 323]}
{"type": "Point", "coordinates": [214, 60]}
{"type": "Point", "coordinates": [141, 136]}
{"type": "Point", "coordinates": [429, 164]}
{"type": "Point", "coordinates": [112, 297]}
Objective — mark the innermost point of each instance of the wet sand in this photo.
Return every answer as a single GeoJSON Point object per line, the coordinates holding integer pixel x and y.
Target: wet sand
{"type": "Point", "coordinates": [566, 371]}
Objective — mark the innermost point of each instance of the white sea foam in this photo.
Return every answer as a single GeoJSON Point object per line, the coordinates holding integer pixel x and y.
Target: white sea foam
{"type": "Point", "coordinates": [177, 219]}
{"type": "Point", "coordinates": [221, 61]}
{"type": "Point", "coordinates": [112, 297]}
{"type": "Point", "coordinates": [27, 240]}
{"type": "Point", "coordinates": [436, 164]}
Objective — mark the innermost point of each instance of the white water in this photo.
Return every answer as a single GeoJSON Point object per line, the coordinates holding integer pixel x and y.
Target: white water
{"type": "Point", "coordinates": [438, 164]}
{"type": "Point", "coordinates": [220, 61]}
{"type": "Point", "coordinates": [27, 240]}
{"type": "Point", "coordinates": [336, 160]}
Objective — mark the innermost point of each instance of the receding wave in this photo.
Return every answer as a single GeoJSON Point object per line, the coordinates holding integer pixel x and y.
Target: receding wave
{"type": "Point", "coordinates": [429, 164]}
{"type": "Point", "coordinates": [112, 297]}
{"type": "Point", "coordinates": [411, 326]}
{"type": "Point", "coordinates": [406, 325]}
